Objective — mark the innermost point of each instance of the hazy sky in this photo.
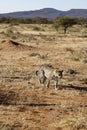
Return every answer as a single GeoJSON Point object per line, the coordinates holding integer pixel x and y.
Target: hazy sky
{"type": "Point", "coordinates": [25, 5]}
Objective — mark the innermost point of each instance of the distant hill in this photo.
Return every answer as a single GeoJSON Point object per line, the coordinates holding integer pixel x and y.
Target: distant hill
{"type": "Point", "coordinates": [49, 13]}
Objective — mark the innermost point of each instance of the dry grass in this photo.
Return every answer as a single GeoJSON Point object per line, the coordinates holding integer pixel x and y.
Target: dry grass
{"type": "Point", "coordinates": [24, 103]}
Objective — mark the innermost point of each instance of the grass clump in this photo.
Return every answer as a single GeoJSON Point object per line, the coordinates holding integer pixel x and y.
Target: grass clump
{"type": "Point", "coordinates": [4, 126]}
{"type": "Point", "coordinates": [37, 29]}
{"type": "Point", "coordinates": [75, 124]}
{"type": "Point", "coordinates": [69, 50]}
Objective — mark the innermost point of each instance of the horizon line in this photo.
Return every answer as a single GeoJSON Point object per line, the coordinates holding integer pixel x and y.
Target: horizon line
{"type": "Point", "coordinates": [41, 9]}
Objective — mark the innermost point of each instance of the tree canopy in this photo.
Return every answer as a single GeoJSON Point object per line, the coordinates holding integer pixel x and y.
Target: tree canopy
{"type": "Point", "coordinates": [64, 22]}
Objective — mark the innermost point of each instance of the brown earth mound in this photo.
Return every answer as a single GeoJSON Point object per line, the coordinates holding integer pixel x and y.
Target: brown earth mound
{"type": "Point", "coordinates": [10, 45]}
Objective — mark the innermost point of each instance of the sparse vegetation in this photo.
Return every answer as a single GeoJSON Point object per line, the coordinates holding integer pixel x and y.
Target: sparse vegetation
{"type": "Point", "coordinates": [24, 103]}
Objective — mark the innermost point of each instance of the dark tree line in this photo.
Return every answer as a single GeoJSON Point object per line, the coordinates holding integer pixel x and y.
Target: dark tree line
{"type": "Point", "coordinates": [59, 22]}
{"type": "Point", "coordinates": [36, 20]}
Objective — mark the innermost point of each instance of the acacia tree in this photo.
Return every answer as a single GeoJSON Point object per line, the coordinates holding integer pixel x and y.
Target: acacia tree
{"type": "Point", "coordinates": [64, 22]}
